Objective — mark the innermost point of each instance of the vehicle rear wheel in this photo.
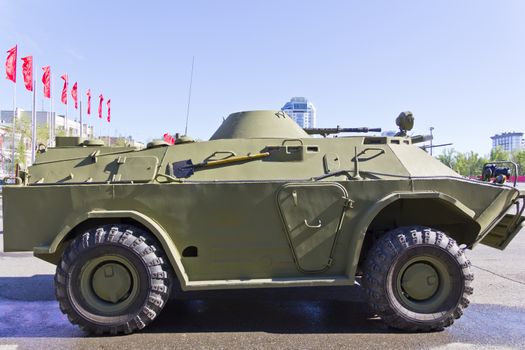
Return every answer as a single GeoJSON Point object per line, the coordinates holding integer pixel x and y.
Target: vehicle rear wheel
{"type": "Point", "coordinates": [417, 279]}
{"type": "Point", "coordinates": [112, 280]}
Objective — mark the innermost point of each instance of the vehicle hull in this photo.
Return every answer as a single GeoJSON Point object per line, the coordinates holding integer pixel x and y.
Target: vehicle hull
{"type": "Point", "coordinates": [240, 229]}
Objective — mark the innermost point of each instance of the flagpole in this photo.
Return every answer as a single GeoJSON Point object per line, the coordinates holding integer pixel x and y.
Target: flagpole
{"type": "Point", "coordinates": [33, 123]}
{"type": "Point", "coordinates": [90, 119]}
{"type": "Point", "coordinates": [49, 125]}
{"type": "Point", "coordinates": [52, 123]}
{"type": "Point", "coordinates": [14, 127]}
{"type": "Point", "coordinates": [50, 113]}
{"type": "Point", "coordinates": [47, 115]}
{"type": "Point", "coordinates": [101, 126]}
{"type": "Point", "coordinates": [65, 120]}
{"type": "Point", "coordinates": [81, 126]}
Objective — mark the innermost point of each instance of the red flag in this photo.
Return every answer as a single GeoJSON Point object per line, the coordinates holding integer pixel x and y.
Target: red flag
{"type": "Point", "coordinates": [46, 80]}
{"type": "Point", "coordinates": [169, 139]}
{"type": "Point", "coordinates": [64, 90]}
{"type": "Point", "coordinates": [88, 93]}
{"type": "Point", "coordinates": [27, 72]}
{"type": "Point", "coordinates": [109, 110]}
{"type": "Point", "coordinates": [74, 94]}
{"type": "Point", "coordinates": [100, 106]}
{"type": "Point", "coordinates": [10, 64]}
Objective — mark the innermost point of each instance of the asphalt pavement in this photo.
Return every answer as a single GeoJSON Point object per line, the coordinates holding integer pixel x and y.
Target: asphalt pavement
{"type": "Point", "coordinates": [295, 318]}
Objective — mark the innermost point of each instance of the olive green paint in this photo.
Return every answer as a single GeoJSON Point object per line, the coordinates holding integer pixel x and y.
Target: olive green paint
{"type": "Point", "coordinates": [423, 284]}
{"type": "Point", "coordinates": [248, 226]}
{"type": "Point", "coordinates": [109, 283]}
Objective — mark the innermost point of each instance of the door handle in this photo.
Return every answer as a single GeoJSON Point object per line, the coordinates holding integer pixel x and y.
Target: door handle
{"type": "Point", "coordinates": [312, 226]}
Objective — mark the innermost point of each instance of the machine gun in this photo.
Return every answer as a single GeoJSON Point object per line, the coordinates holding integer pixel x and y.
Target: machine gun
{"type": "Point", "coordinates": [426, 138]}
{"type": "Point", "coordinates": [328, 131]}
{"type": "Point", "coordinates": [425, 147]}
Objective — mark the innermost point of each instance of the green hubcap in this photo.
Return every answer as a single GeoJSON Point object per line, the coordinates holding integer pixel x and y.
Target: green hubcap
{"type": "Point", "coordinates": [112, 282]}
{"type": "Point", "coordinates": [423, 284]}
{"type": "Point", "coordinates": [109, 284]}
{"type": "Point", "coordinates": [420, 281]}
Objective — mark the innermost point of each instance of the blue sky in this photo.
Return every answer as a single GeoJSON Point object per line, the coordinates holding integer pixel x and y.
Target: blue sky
{"type": "Point", "coordinates": [459, 66]}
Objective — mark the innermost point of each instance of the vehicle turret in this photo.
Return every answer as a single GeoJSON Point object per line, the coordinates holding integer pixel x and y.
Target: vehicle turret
{"type": "Point", "coordinates": [259, 124]}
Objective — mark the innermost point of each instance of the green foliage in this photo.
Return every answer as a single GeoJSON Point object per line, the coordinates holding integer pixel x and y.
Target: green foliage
{"type": "Point", "coordinates": [466, 164]}
{"type": "Point", "coordinates": [519, 158]}
{"type": "Point", "coordinates": [499, 153]}
{"type": "Point", "coordinates": [471, 163]}
{"type": "Point", "coordinates": [23, 127]}
{"type": "Point", "coordinates": [42, 134]}
{"type": "Point", "coordinates": [448, 157]}
{"type": "Point", "coordinates": [20, 153]}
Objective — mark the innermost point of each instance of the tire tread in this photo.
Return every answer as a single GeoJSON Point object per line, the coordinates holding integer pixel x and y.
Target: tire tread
{"type": "Point", "coordinates": [144, 247]}
{"type": "Point", "coordinates": [380, 259]}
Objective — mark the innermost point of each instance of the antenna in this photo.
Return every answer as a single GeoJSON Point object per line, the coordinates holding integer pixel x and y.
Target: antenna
{"type": "Point", "coordinates": [189, 97]}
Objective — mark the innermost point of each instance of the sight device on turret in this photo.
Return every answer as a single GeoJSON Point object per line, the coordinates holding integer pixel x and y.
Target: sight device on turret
{"type": "Point", "coordinates": [405, 121]}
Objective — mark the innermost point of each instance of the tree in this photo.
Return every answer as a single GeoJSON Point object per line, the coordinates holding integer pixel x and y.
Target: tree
{"type": "Point", "coordinates": [42, 135]}
{"type": "Point", "coordinates": [466, 164]}
{"type": "Point", "coordinates": [469, 163]}
{"type": "Point", "coordinates": [448, 157]}
{"type": "Point", "coordinates": [499, 153]}
{"type": "Point", "coordinates": [24, 130]}
{"type": "Point", "coordinates": [519, 158]}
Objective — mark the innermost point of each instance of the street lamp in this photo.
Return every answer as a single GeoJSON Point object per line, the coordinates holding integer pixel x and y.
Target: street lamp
{"type": "Point", "coordinates": [431, 129]}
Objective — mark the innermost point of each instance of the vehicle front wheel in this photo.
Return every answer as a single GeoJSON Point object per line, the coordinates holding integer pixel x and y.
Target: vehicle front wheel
{"type": "Point", "coordinates": [417, 279]}
{"type": "Point", "coordinates": [112, 280]}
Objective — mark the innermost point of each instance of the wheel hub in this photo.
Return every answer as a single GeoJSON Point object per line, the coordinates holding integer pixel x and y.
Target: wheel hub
{"type": "Point", "coordinates": [420, 281]}
{"type": "Point", "coordinates": [111, 282]}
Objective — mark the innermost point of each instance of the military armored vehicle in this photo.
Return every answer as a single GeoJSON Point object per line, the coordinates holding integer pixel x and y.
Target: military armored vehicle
{"type": "Point", "coordinates": [263, 203]}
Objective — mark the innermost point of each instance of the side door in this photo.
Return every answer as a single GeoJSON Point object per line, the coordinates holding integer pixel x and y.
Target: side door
{"type": "Point", "coordinates": [312, 215]}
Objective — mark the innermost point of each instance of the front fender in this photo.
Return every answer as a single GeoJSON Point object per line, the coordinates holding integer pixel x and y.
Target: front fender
{"type": "Point", "coordinates": [364, 222]}
{"type": "Point", "coordinates": [157, 230]}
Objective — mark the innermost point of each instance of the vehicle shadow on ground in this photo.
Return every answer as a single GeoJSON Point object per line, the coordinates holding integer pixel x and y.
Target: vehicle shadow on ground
{"type": "Point", "coordinates": [282, 310]}
{"type": "Point", "coordinates": [34, 288]}
{"type": "Point", "coordinates": [30, 309]}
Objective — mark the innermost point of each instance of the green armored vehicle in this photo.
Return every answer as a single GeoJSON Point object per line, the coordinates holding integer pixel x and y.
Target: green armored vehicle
{"type": "Point", "coordinates": [261, 204]}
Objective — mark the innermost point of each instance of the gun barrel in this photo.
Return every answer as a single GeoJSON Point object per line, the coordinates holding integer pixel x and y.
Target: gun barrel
{"type": "Point", "coordinates": [421, 138]}
{"type": "Point", "coordinates": [328, 131]}
{"type": "Point", "coordinates": [435, 146]}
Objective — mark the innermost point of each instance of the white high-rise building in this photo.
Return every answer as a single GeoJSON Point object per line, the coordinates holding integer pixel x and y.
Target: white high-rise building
{"type": "Point", "coordinates": [302, 111]}
{"type": "Point", "coordinates": [509, 141]}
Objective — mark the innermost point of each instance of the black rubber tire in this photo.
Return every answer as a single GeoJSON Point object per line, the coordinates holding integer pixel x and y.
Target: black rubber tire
{"type": "Point", "coordinates": [133, 245]}
{"type": "Point", "coordinates": [385, 260]}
